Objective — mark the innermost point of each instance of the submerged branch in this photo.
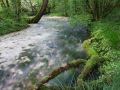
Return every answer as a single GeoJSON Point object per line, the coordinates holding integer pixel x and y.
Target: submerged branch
{"type": "Point", "coordinates": [56, 72]}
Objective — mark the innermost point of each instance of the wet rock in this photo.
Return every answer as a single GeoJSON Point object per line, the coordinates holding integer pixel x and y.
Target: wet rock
{"type": "Point", "coordinates": [11, 65]}
{"type": "Point", "coordinates": [2, 73]}
{"type": "Point", "coordinates": [39, 34]}
{"type": "Point", "coordinates": [11, 47]}
{"type": "Point", "coordinates": [31, 44]}
{"type": "Point", "coordinates": [24, 61]}
{"type": "Point", "coordinates": [5, 74]}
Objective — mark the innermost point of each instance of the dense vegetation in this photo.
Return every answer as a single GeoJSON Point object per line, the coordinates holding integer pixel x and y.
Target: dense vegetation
{"type": "Point", "coordinates": [101, 17]}
{"type": "Point", "coordinates": [10, 18]}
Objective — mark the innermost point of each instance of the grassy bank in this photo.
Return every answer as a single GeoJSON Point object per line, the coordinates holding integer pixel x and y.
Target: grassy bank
{"type": "Point", "coordinates": [105, 41]}
{"type": "Point", "coordinates": [9, 26]}
{"type": "Point", "coordinates": [8, 22]}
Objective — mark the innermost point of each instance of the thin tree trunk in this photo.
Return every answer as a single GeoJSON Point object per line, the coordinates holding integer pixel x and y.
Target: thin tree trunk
{"type": "Point", "coordinates": [32, 8]}
{"type": "Point", "coordinates": [18, 10]}
{"type": "Point", "coordinates": [3, 3]}
{"type": "Point", "coordinates": [7, 3]}
{"type": "Point", "coordinates": [40, 13]}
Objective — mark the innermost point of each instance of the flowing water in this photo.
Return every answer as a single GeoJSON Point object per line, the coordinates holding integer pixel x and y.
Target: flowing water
{"type": "Point", "coordinates": [31, 54]}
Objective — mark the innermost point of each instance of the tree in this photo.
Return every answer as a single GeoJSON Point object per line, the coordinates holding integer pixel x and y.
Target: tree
{"type": "Point", "coordinates": [100, 8]}
{"type": "Point", "coordinates": [7, 3]}
{"type": "Point", "coordinates": [40, 12]}
{"type": "Point", "coordinates": [4, 3]}
{"type": "Point", "coordinates": [16, 8]}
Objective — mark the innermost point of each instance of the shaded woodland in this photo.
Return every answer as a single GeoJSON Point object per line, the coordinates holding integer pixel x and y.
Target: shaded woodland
{"type": "Point", "coordinates": [102, 46]}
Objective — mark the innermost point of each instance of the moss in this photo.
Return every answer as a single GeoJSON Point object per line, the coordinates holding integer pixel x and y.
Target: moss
{"type": "Point", "coordinates": [75, 63]}
{"type": "Point", "coordinates": [89, 50]}
{"type": "Point", "coordinates": [46, 88]}
{"type": "Point", "coordinates": [56, 88]}
{"type": "Point", "coordinates": [90, 64]}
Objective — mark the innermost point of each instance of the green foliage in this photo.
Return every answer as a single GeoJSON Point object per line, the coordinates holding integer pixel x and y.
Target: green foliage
{"type": "Point", "coordinates": [113, 55]}
{"type": "Point", "coordinates": [114, 16]}
{"type": "Point", "coordinates": [90, 51]}
{"type": "Point", "coordinates": [66, 7]}
{"type": "Point", "coordinates": [84, 19]}
{"type": "Point", "coordinates": [106, 34]}
{"type": "Point", "coordinates": [8, 23]}
{"type": "Point", "coordinates": [109, 33]}
{"type": "Point", "coordinates": [111, 79]}
{"type": "Point", "coordinates": [97, 8]}
{"type": "Point", "coordinates": [100, 8]}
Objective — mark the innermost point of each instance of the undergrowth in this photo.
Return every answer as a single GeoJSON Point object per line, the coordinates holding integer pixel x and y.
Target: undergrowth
{"type": "Point", "coordinates": [8, 23]}
{"type": "Point", "coordinates": [106, 34]}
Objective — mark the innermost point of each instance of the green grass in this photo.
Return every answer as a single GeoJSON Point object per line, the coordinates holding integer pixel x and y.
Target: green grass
{"type": "Point", "coordinates": [109, 32]}
{"type": "Point", "coordinates": [9, 25]}
{"type": "Point", "coordinates": [83, 19]}
{"type": "Point", "coordinates": [106, 34]}
{"type": "Point", "coordinates": [55, 14]}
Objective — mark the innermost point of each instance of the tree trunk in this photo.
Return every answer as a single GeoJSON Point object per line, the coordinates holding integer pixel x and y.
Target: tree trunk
{"type": "Point", "coordinates": [3, 3]}
{"type": "Point", "coordinates": [18, 10]}
{"type": "Point", "coordinates": [16, 7]}
{"type": "Point", "coordinates": [7, 3]}
{"type": "Point", "coordinates": [32, 8]}
{"type": "Point", "coordinates": [40, 13]}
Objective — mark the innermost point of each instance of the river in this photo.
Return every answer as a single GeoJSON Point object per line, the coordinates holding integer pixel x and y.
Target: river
{"type": "Point", "coordinates": [30, 54]}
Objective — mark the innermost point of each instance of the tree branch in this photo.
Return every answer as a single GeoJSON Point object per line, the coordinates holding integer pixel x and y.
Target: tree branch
{"type": "Point", "coordinates": [56, 72]}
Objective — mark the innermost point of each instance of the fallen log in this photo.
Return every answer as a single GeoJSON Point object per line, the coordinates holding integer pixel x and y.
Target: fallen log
{"type": "Point", "coordinates": [56, 88]}
{"type": "Point", "coordinates": [90, 65]}
{"type": "Point", "coordinates": [56, 72]}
